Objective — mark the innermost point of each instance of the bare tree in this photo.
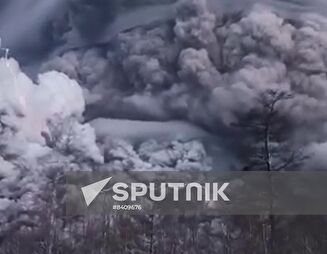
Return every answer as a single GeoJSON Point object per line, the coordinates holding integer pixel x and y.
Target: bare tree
{"type": "Point", "coordinates": [268, 134]}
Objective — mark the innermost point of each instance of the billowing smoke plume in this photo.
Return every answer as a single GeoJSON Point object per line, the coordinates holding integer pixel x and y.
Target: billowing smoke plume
{"type": "Point", "coordinates": [26, 110]}
{"type": "Point", "coordinates": [162, 95]}
{"type": "Point", "coordinates": [208, 69]}
{"type": "Point", "coordinates": [155, 96]}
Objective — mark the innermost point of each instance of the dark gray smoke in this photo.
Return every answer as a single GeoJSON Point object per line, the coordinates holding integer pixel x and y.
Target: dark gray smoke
{"type": "Point", "coordinates": [151, 88]}
{"type": "Point", "coordinates": [207, 67]}
{"type": "Point", "coordinates": [197, 61]}
{"type": "Point", "coordinates": [24, 25]}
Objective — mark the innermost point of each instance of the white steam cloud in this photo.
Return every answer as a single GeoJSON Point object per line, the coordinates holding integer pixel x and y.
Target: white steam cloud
{"type": "Point", "coordinates": [27, 108]}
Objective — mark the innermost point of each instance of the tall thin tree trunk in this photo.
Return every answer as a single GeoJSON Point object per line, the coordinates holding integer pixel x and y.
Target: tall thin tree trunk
{"type": "Point", "coordinates": [264, 239]}
{"type": "Point", "coordinates": [271, 222]}
{"type": "Point", "coordinates": [267, 148]}
{"type": "Point", "coordinates": [151, 234]}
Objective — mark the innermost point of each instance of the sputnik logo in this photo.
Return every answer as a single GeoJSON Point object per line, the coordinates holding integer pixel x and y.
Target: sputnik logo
{"type": "Point", "coordinates": [91, 191]}
{"type": "Point", "coordinates": [124, 192]}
